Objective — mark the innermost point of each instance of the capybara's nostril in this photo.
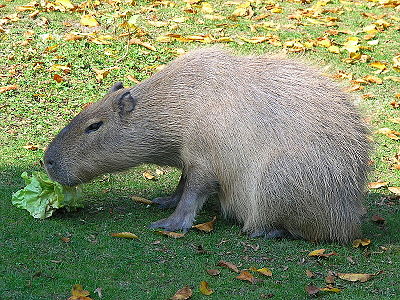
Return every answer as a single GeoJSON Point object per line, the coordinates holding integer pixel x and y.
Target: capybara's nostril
{"type": "Point", "coordinates": [49, 163]}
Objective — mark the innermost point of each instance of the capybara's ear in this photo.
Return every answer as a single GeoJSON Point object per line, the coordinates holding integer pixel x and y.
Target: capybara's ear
{"type": "Point", "coordinates": [116, 87]}
{"type": "Point", "coordinates": [126, 103]}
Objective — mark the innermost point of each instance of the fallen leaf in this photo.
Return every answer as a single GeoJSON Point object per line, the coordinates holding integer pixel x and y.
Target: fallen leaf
{"type": "Point", "coordinates": [213, 272]}
{"type": "Point", "coordinates": [98, 291]}
{"type": "Point", "coordinates": [172, 234]}
{"type": "Point", "coordinates": [78, 293]}
{"type": "Point", "coordinates": [228, 265]}
{"type": "Point", "coordinates": [183, 294]}
{"type": "Point", "coordinates": [204, 289]}
{"type": "Point", "coordinates": [133, 79]}
{"type": "Point", "coordinates": [312, 290]}
{"type": "Point", "coordinates": [149, 176]}
{"type": "Point", "coordinates": [373, 79]}
{"type": "Point", "coordinates": [330, 289]}
{"type": "Point", "coordinates": [246, 276]}
{"type": "Point", "coordinates": [58, 78]}
{"type": "Point", "coordinates": [8, 88]}
{"type": "Point", "coordinates": [394, 189]}
{"type": "Point", "coordinates": [142, 200]}
{"type": "Point", "coordinates": [66, 239]}
{"type": "Point", "coordinates": [321, 253]}
{"type": "Point", "coordinates": [127, 235]}
{"type": "Point", "coordinates": [31, 147]}
{"type": "Point", "coordinates": [89, 21]}
{"type": "Point", "coordinates": [330, 279]}
{"type": "Point", "coordinates": [309, 274]}
{"type": "Point", "coordinates": [66, 3]}
{"type": "Point", "coordinates": [206, 227]}
{"type": "Point", "coordinates": [101, 74]}
{"type": "Point", "coordinates": [356, 276]}
{"type": "Point", "coordinates": [135, 41]}
{"type": "Point", "coordinates": [264, 271]}
{"type": "Point", "coordinates": [379, 65]}
{"type": "Point", "coordinates": [361, 242]}
{"type": "Point", "coordinates": [378, 219]}
{"type": "Point", "coordinates": [377, 184]}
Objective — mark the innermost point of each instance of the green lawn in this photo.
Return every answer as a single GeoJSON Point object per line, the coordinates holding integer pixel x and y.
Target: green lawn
{"type": "Point", "coordinates": [43, 259]}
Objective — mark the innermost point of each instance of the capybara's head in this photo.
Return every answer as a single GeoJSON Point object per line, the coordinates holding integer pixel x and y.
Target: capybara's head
{"type": "Point", "coordinates": [101, 139]}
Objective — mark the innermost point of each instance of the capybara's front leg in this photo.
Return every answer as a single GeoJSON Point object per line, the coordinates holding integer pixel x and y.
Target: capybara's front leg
{"type": "Point", "coordinates": [172, 201]}
{"type": "Point", "coordinates": [196, 189]}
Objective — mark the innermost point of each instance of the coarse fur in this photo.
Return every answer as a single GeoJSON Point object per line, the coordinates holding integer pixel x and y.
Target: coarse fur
{"type": "Point", "coordinates": [283, 146]}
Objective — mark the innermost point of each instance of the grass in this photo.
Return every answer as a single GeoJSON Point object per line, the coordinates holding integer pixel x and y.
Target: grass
{"type": "Point", "coordinates": [36, 263]}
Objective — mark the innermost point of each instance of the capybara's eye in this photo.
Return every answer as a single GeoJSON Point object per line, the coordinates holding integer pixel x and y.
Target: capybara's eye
{"type": "Point", "coordinates": [93, 127]}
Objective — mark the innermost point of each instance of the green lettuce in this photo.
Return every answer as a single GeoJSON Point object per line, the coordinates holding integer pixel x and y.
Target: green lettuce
{"type": "Point", "coordinates": [42, 196]}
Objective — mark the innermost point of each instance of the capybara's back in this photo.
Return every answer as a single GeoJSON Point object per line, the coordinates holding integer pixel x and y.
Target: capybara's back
{"type": "Point", "coordinates": [287, 146]}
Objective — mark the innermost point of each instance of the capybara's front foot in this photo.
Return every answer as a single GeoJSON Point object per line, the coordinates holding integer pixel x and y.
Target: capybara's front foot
{"type": "Point", "coordinates": [166, 202]}
{"type": "Point", "coordinates": [174, 223]}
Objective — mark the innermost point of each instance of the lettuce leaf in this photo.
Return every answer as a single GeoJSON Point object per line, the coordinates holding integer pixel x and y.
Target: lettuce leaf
{"type": "Point", "coordinates": [42, 196]}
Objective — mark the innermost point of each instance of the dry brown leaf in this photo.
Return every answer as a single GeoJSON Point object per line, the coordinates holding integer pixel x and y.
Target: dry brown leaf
{"type": "Point", "coordinates": [8, 88]}
{"type": "Point", "coordinates": [58, 78]}
{"type": "Point", "coordinates": [330, 279]}
{"type": "Point", "coordinates": [171, 234]}
{"type": "Point", "coordinates": [206, 227]}
{"type": "Point", "coordinates": [321, 253]}
{"type": "Point", "coordinates": [309, 274]}
{"type": "Point", "coordinates": [213, 272]}
{"type": "Point", "coordinates": [127, 235]}
{"type": "Point", "coordinates": [394, 189]}
{"type": "Point", "coordinates": [228, 265]}
{"type": "Point", "coordinates": [373, 79]}
{"type": "Point", "coordinates": [378, 219]}
{"type": "Point", "coordinates": [246, 276]}
{"type": "Point", "coordinates": [356, 276]}
{"type": "Point", "coordinates": [361, 242]}
{"type": "Point", "coordinates": [204, 289]}
{"type": "Point", "coordinates": [78, 293]}
{"type": "Point", "coordinates": [312, 290]}
{"type": "Point", "coordinates": [142, 200]}
{"type": "Point", "coordinates": [377, 184]}
{"type": "Point", "coordinates": [183, 294]}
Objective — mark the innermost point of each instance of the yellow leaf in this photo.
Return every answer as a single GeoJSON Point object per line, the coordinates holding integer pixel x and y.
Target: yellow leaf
{"type": "Point", "coordinates": [330, 289]}
{"type": "Point", "coordinates": [334, 49]}
{"type": "Point", "coordinates": [206, 227]}
{"type": "Point", "coordinates": [142, 200]}
{"type": "Point", "coordinates": [355, 276]}
{"type": "Point", "coordinates": [214, 17]}
{"type": "Point", "coordinates": [204, 289]}
{"type": "Point", "coordinates": [57, 68]}
{"type": "Point", "coordinates": [361, 242]}
{"type": "Point", "coordinates": [255, 39]}
{"type": "Point", "coordinates": [89, 21]}
{"type": "Point", "coordinates": [78, 293]}
{"type": "Point", "coordinates": [179, 19]}
{"type": "Point", "coordinates": [141, 43]}
{"type": "Point", "coordinates": [183, 294]}
{"type": "Point", "coordinates": [264, 271]}
{"type": "Point", "coordinates": [379, 65]}
{"type": "Point", "coordinates": [8, 88]}
{"type": "Point", "coordinates": [394, 189]}
{"type": "Point", "coordinates": [127, 235]}
{"type": "Point", "coordinates": [149, 176]}
{"type": "Point", "coordinates": [206, 8]}
{"type": "Point", "coordinates": [242, 10]}
{"type": "Point", "coordinates": [65, 3]}
{"type": "Point", "coordinates": [377, 184]}
{"type": "Point", "coordinates": [373, 42]}
{"type": "Point", "coordinates": [101, 74]}
{"type": "Point", "coordinates": [321, 253]}
{"type": "Point", "coordinates": [172, 234]}
{"type": "Point", "coordinates": [158, 23]}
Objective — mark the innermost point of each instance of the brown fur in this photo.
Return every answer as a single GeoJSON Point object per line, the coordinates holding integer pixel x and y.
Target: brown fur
{"type": "Point", "coordinates": [282, 146]}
